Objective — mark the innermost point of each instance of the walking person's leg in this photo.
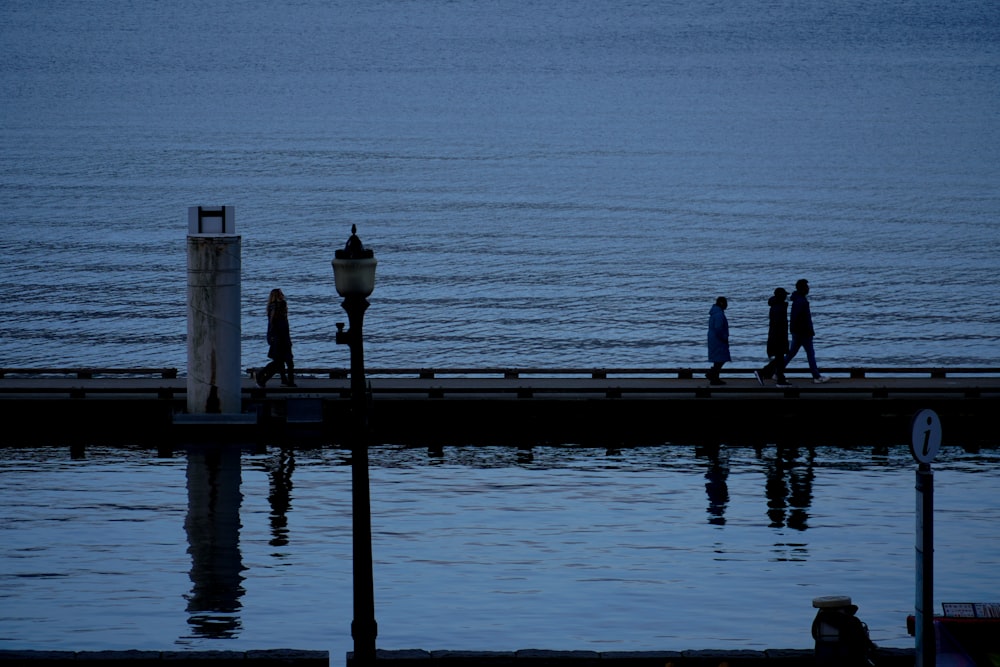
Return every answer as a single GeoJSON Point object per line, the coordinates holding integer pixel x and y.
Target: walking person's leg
{"type": "Point", "coordinates": [775, 368]}
{"type": "Point", "coordinates": [268, 372]}
{"type": "Point", "coordinates": [767, 372]}
{"type": "Point", "coordinates": [779, 371]}
{"type": "Point", "coordinates": [818, 377]}
{"type": "Point", "coordinates": [713, 373]}
{"type": "Point", "coordinates": [792, 351]}
{"type": "Point", "coordinates": [807, 345]}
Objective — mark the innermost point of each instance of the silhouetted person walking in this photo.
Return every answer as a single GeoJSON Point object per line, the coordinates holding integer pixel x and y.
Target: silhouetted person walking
{"type": "Point", "coordinates": [777, 339]}
{"type": "Point", "coordinates": [718, 340]}
{"type": "Point", "coordinates": [279, 340]}
{"type": "Point", "coordinates": [801, 326]}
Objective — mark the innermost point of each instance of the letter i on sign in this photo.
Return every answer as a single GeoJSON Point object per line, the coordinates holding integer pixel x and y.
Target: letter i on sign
{"type": "Point", "coordinates": [926, 436]}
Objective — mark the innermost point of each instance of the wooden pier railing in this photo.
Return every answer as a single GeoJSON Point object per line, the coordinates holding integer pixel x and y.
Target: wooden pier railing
{"type": "Point", "coordinates": [89, 372]}
{"type": "Point", "coordinates": [604, 373]}
{"type": "Point", "coordinates": [856, 372]}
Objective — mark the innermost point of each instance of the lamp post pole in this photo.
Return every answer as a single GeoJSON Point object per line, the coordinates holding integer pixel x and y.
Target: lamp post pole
{"type": "Point", "coordinates": [354, 270]}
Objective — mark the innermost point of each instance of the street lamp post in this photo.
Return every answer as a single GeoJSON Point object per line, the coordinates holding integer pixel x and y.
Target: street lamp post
{"type": "Point", "coordinates": [354, 274]}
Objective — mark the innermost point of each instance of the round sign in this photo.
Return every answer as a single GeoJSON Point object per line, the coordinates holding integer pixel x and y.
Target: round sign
{"type": "Point", "coordinates": [926, 436]}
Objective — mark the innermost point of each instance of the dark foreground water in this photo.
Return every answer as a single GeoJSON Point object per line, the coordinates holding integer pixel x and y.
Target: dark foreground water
{"type": "Point", "coordinates": [480, 548]}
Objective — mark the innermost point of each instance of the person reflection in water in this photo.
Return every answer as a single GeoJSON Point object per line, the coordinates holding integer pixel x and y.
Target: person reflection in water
{"type": "Point", "coordinates": [716, 486]}
{"type": "Point", "coordinates": [280, 495]}
{"type": "Point", "coordinates": [279, 341]}
{"type": "Point", "coordinates": [789, 489]}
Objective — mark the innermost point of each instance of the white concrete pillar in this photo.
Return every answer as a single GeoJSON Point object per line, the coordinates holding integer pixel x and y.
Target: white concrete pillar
{"type": "Point", "coordinates": [213, 316]}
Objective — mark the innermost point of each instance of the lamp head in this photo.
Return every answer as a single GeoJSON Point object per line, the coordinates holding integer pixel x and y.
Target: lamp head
{"type": "Point", "coordinates": [354, 249]}
{"type": "Point", "coordinates": [354, 268]}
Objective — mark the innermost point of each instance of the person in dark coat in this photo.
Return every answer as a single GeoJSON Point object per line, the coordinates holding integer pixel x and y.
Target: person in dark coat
{"type": "Point", "coordinates": [777, 339]}
{"type": "Point", "coordinates": [279, 340]}
{"type": "Point", "coordinates": [718, 339]}
{"type": "Point", "coordinates": [801, 326]}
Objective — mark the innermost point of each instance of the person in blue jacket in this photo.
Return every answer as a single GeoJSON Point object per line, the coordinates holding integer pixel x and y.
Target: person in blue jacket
{"type": "Point", "coordinates": [718, 339]}
{"type": "Point", "coordinates": [801, 327]}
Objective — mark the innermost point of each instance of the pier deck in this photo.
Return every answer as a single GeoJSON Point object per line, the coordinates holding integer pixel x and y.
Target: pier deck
{"type": "Point", "coordinates": [606, 407]}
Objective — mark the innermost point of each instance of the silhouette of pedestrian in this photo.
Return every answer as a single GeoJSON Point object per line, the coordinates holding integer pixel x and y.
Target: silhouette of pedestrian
{"type": "Point", "coordinates": [718, 340]}
{"type": "Point", "coordinates": [279, 341]}
{"type": "Point", "coordinates": [801, 326]}
{"type": "Point", "coordinates": [777, 339]}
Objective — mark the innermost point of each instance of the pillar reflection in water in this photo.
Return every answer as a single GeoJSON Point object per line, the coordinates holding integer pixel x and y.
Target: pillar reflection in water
{"type": "Point", "coordinates": [213, 532]}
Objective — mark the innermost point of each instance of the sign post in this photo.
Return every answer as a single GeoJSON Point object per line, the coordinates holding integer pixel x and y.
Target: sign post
{"type": "Point", "coordinates": [924, 446]}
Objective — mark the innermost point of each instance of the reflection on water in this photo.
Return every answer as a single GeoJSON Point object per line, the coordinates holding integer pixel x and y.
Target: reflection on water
{"type": "Point", "coordinates": [789, 475]}
{"type": "Point", "coordinates": [279, 467]}
{"type": "Point", "coordinates": [213, 533]}
{"type": "Point", "coordinates": [715, 485]}
{"type": "Point", "coordinates": [789, 488]}
{"type": "Point", "coordinates": [477, 548]}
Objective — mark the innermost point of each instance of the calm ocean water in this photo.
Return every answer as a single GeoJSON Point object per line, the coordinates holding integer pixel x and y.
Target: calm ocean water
{"type": "Point", "coordinates": [480, 548]}
{"type": "Point", "coordinates": [544, 183]}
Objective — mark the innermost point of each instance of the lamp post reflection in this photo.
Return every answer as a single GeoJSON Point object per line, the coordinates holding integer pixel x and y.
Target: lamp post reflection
{"type": "Point", "coordinates": [354, 274]}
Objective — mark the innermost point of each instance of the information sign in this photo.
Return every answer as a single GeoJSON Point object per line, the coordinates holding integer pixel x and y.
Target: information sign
{"type": "Point", "coordinates": [926, 436]}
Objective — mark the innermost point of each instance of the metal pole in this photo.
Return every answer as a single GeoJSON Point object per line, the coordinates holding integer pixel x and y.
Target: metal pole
{"type": "Point", "coordinates": [364, 628]}
{"type": "Point", "coordinates": [924, 630]}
